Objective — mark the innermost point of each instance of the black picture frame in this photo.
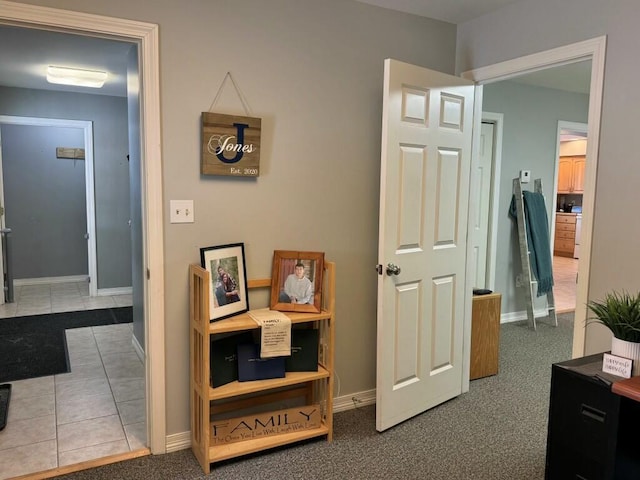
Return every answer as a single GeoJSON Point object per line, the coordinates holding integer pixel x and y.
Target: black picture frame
{"type": "Point", "coordinates": [227, 296]}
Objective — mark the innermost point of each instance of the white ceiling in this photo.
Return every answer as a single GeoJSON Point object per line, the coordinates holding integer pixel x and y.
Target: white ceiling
{"type": "Point", "coordinates": [25, 53]}
{"type": "Point", "coordinates": [452, 11]}
{"type": "Point", "coordinates": [574, 77]}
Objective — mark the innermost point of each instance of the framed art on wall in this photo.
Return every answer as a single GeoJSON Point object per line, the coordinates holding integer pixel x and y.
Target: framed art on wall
{"type": "Point", "coordinates": [228, 293]}
{"type": "Point", "coordinates": [230, 145]}
{"type": "Point", "coordinates": [296, 281]}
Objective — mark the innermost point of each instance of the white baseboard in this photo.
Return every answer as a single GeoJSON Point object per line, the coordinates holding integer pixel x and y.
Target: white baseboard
{"type": "Point", "coordinates": [355, 400]}
{"type": "Point", "coordinates": [107, 292]}
{"type": "Point", "coordinates": [43, 280]}
{"type": "Point", "coordinates": [138, 348]}
{"type": "Point", "coordinates": [182, 441]}
{"type": "Point", "coordinates": [522, 315]}
{"type": "Point", "coordinates": [102, 292]}
{"type": "Point", "coordinates": [178, 441]}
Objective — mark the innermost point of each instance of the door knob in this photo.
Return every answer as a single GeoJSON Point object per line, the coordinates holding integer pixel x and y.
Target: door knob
{"type": "Point", "coordinates": [393, 269]}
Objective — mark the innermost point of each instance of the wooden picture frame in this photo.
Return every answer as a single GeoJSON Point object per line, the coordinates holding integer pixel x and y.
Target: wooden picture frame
{"type": "Point", "coordinates": [228, 292]}
{"type": "Point", "coordinates": [289, 272]}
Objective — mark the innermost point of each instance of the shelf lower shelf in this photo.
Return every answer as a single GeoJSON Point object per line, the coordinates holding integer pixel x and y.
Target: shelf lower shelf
{"type": "Point", "coordinates": [218, 453]}
{"type": "Point", "coordinates": [236, 388]}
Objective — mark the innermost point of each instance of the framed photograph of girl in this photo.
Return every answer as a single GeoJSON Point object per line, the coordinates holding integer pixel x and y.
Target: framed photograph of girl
{"type": "Point", "coordinates": [228, 294]}
{"type": "Point", "coordinates": [296, 281]}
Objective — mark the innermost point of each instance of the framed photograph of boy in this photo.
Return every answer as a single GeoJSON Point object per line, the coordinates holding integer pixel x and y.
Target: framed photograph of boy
{"type": "Point", "coordinates": [228, 294]}
{"type": "Point", "coordinates": [296, 281]}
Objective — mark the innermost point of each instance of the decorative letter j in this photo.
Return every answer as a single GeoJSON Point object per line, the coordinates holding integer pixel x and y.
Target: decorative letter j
{"type": "Point", "coordinates": [239, 153]}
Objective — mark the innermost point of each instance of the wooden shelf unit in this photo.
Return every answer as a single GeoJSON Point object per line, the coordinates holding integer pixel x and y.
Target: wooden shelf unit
{"type": "Point", "coordinates": [315, 387]}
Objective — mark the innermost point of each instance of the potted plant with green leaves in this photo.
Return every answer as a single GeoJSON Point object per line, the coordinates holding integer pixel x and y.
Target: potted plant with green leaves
{"type": "Point", "coordinates": [620, 313]}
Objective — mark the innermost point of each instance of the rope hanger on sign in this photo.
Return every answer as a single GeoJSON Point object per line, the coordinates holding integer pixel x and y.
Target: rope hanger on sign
{"type": "Point", "coordinates": [245, 103]}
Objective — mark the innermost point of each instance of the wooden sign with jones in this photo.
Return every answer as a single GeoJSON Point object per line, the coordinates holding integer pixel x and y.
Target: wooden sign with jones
{"type": "Point", "coordinates": [230, 145]}
{"type": "Point", "coordinates": [265, 424]}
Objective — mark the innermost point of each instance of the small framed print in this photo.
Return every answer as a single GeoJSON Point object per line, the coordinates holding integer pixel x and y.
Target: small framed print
{"type": "Point", "coordinates": [228, 293]}
{"type": "Point", "coordinates": [296, 281]}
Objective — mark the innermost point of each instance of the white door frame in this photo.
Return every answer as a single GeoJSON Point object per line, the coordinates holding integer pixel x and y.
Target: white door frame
{"type": "Point", "coordinates": [593, 50]}
{"type": "Point", "coordinates": [87, 128]}
{"type": "Point", "coordinates": [496, 165]}
{"type": "Point", "coordinates": [147, 38]}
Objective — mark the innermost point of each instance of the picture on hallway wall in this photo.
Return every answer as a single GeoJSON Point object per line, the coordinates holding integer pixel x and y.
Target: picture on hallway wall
{"type": "Point", "coordinates": [228, 294]}
{"type": "Point", "coordinates": [296, 281]}
{"type": "Point", "coordinates": [230, 145]}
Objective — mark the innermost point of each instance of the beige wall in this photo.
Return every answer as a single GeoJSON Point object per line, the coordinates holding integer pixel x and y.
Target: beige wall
{"type": "Point", "coordinates": [536, 25]}
{"type": "Point", "coordinates": [313, 71]}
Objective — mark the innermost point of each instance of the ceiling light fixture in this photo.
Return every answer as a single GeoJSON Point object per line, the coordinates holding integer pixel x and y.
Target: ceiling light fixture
{"type": "Point", "coordinates": [76, 77]}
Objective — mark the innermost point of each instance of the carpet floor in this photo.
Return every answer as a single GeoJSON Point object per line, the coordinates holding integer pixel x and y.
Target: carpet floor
{"type": "Point", "coordinates": [496, 431]}
{"type": "Point", "coordinates": [35, 346]}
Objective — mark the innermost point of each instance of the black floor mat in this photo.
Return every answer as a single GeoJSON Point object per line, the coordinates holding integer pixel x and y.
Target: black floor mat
{"type": "Point", "coordinates": [35, 346]}
{"type": "Point", "coordinates": [5, 396]}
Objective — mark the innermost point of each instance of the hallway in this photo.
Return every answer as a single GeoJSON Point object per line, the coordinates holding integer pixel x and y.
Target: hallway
{"type": "Point", "coordinates": [96, 410]}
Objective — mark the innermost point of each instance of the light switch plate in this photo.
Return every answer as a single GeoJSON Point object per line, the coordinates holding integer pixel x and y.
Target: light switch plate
{"type": "Point", "coordinates": [181, 211]}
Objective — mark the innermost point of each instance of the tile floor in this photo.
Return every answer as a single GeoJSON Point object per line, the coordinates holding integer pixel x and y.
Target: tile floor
{"type": "Point", "coordinates": [96, 410]}
{"type": "Point", "coordinates": [565, 272]}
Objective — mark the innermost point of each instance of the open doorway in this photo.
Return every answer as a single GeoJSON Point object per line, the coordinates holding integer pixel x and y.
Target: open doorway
{"type": "Point", "coordinates": [145, 36]}
{"type": "Point", "coordinates": [529, 109]}
{"type": "Point", "coordinates": [50, 203]}
{"type": "Point", "coordinates": [590, 50]}
{"type": "Point", "coordinates": [567, 216]}
{"type": "Point", "coordinates": [30, 181]}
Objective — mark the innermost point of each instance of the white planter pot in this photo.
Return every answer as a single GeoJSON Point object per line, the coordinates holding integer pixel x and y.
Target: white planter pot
{"type": "Point", "coordinates": [631, 350]}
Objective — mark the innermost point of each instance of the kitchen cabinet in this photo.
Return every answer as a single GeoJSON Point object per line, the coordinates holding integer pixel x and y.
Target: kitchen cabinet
{"type": "Point", "coordinates": [571, 174]}
{"type": "Point", "coordinates": [565, 237]}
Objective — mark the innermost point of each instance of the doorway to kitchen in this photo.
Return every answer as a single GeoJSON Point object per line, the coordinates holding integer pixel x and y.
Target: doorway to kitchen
{"type": "Point", "coordinates": [567, 221]}
{"type": "Point", "coordinates": [593, 50]}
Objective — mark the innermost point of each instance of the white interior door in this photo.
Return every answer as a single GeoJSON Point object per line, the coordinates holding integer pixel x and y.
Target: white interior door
{"type": "Point", "coordinates": [424, 196]}
{"type": "Point", "coordinates": [483, 172]}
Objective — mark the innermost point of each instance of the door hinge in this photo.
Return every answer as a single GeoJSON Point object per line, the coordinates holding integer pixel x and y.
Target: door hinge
{"type": "Point", "coordinates": [148, 274]}
{"type": "Point", "coordinates": [379, 269]}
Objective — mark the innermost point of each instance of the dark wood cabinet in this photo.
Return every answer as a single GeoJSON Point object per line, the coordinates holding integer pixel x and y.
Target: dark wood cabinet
{"type": "Point", "coordinates": [591, 429]}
